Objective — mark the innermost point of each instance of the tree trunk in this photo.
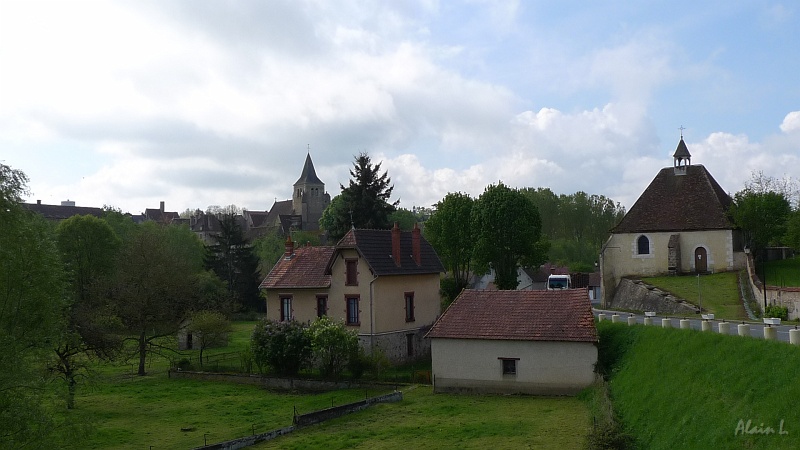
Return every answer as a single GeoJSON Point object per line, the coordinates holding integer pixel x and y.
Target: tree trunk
{"type": "Point", "coordinates": [142, 352]}
{"type": "Point", "coordinates": [71, 387]}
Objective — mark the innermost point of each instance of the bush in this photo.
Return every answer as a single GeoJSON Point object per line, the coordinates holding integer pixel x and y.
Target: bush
{"type": "Point", "coordinates": [781, 312]}
{"type": "Point", "coordinates": [283, 346]}
{"type": "Point", "coordinates": [333, 345]}
{"type": "Point", "coordinates": [358, 363]}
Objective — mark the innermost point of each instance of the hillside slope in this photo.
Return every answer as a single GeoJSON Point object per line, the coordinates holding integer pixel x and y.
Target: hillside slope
{"type": "Point", "coordinates": [677, 388]}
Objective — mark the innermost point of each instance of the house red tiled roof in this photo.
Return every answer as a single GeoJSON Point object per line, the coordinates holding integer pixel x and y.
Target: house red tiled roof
{"type": "Point", "coordinates": [562, 315]}
{"type": "Point", "coordinates": [305, 269]}
{"type": "Point", "coordinates": [690, 202]}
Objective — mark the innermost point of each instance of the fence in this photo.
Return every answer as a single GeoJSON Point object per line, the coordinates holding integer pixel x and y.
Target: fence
{"type": "Point", "coordinates": [788, 297]}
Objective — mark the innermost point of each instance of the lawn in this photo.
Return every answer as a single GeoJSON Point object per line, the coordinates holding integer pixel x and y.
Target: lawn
{"type": "Point", "coordinates": [717, 293]}
{"type": "Point", "coordinates": [444, 421]}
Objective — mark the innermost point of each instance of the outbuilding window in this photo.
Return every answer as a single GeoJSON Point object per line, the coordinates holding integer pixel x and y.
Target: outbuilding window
{"type": "Point", "coordinates": [509, 365]}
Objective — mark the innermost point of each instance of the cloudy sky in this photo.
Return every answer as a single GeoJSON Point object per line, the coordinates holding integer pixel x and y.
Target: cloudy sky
{"type": "Point", "coordinates": [198, 103]}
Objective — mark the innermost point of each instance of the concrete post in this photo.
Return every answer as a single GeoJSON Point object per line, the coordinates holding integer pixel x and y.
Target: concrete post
{"type": "Point", "coordinates": [666, 322]}
{"type": "Point", "coordinates": [615, 318]}
{"type": "Point", "coordinates": [632, 320]}
{"type": "Point", "coordinates": [705, 325]}
{"type": "Point", "coordinates": [648, 320]}
{"type": "Point", "coordinates": [724, 328]}
{"type": "Point", "coordinates": [686, 324]}
{"type": "Point", "coordinates": [601, 317]}
{"type": "Point", "coordinates": [744, 329]}
{"type": "Point", "coordinates": [794, 337]}
{"type": "Point", "coordinates": [770, 333]}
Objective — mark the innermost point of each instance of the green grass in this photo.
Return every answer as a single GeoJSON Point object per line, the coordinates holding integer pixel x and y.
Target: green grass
{"type": "Point", "coordinates": [137, 412]}
{"type": "Point", "coordinates": [444, 421]}
{"type": "Point", "coordinates": [783, 273]}
{"type": "Point", "coordinates": [717, 293]}
{"type": "Point", "coordinates": [677, 388]}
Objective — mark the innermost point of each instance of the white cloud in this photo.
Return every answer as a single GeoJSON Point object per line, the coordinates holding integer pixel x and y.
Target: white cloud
{"type": "Point", "coordinates": [791, 123]}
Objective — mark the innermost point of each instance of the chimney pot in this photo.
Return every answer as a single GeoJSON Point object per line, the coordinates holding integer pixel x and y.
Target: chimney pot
{"type": "Point", "coordinates": [162, 207]}
{"type": "Point", "coordinates": [396, 244]}
{"type": "Point", "coordinates": [289, 248]}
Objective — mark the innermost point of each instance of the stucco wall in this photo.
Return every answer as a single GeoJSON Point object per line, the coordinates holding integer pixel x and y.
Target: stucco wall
{"type": "Point", "coordinates": [620, 258]}
{"type": "Point", "coordinates": [389, 299]}
{"type": "Point", "coordinates": [544, 368]}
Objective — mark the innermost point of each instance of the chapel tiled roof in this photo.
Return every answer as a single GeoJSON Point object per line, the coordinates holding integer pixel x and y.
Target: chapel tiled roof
{"type": "Point", "coordinates": [376, 247]}
{"type": "Point", "coordinates": [562, 315]}
{"type": "Point", "coordinates": [305, 269]}
{"type": "Point", "coordinates": [693, 201]}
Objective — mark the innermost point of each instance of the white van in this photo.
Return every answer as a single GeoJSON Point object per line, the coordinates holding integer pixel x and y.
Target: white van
{"type": "Point", "coordinates": [556, 282]}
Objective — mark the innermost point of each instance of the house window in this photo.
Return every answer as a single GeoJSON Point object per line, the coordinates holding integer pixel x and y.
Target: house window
{"type": "Point", "coordinates": [409, 306]}
{"type": "Point", "coordinates": [509, 365]}
{"type": "Point", "coordinates": [322, 305]}
{"type": "Point", "coordinates": [286, 308]}
{"type": "Point", "coordinates": [352, 310]}
{"type": "Point", "coordinates": [351, 272]}
{"type": "Point", "coordinates": [643, 245]}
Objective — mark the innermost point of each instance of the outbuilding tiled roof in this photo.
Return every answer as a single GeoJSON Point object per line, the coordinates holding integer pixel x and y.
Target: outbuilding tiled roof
{"type": "Point", "coordinates": [693, 201]}
{"type": "Point", "coordinates": [61, 212]}
{"type": "Point", "coordinates": [305, 269]}
{"type": "Point", "coordinates": [562, 315]}
{"type": "Point", "coordinates": [376, 247]}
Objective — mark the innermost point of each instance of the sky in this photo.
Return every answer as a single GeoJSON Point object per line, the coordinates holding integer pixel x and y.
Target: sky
{"type": "Point", "coordinates": [198, 103]}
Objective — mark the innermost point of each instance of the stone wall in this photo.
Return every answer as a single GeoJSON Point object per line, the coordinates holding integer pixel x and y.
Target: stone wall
{"type": "Point", "coordinates": [783, 296]}
{"type": "Point", "coordinates": [287, 384]}
{"type": "Point", "coordinates": [635, 295]}
{"type": "Point", "coordinates": [394, 345]}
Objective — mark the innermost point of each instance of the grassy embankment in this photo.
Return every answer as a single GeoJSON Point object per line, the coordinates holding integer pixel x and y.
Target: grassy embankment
{"type": "Point", "coordinates": [717, 293]}
{"type": "Point", "coordinates": [676, 388]}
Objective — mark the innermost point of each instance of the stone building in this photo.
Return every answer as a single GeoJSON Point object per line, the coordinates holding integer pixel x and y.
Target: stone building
{"type": "Point", "coordinates": [679, 225]}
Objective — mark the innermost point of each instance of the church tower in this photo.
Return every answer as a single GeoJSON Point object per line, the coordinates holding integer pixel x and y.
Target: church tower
{"type": "Point", "coordinates": [681, 159]}
{"type": "Point", "coordinates": [309, 198]}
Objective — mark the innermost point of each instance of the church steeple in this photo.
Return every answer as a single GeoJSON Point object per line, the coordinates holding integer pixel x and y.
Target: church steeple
{"type": "Point", "coordinates": [309, 198]}
{"type": "Point", "coordinates": [309, 175]}
{"type": "Point", "coordinates": [681, 159]}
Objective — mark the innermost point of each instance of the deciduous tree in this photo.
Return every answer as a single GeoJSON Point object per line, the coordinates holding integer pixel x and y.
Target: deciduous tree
{"type": "Point", "coordinates": [449, 230]}
{"type": "Point", "coordinates": [507, 231]}
{"type": "Point", "coordinates": [209, 329]}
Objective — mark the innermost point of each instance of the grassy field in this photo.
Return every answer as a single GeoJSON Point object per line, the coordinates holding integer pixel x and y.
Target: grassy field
{"type": "Point", "coordinates": [677, 388]}
{"type": "Point", "coordinates": [443, 421]}
{"type": "Point", "coordinates": [717, 293]}
{"type": "Point", "coordinates": [783, 273]}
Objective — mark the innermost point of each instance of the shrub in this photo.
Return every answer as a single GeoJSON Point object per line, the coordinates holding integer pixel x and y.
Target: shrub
{"type": "Point", "coordinates": [332, 345]}
{"type": "Point", "coordinates": [781, 312]}
{"type": "Point", "coordinates": [283, 346]}
{"type": "Point", "coordinates": [358, 363]}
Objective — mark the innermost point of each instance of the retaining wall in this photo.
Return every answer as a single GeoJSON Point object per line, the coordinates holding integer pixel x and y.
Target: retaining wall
{"type": "Point", "coordinates": [636, 295]}
{"type": "Point", "coordinates": [776, 295]}
{"type": "Point", "coordinates": [284, 384]}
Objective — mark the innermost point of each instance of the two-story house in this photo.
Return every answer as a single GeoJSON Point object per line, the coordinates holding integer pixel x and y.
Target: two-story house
{"type": "Point", "coordinates": [384, 284]}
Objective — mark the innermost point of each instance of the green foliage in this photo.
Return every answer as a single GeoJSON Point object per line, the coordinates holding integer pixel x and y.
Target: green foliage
{"type": "Point", "coordinates": [332, 345]}
{"type": "Point", "coordinates": [449, 288]}
{"type": "Point", "coordinates": [784, 272]}
{"type": "Point", "coordinates": [507, 230]}
{"type": "Point", "coordinates": [269, 249]}
{"type": "Point", "coordinates": [234, 260]}
{"type": "Point", "coordinates": [208, 328]}
{"type": "Point", "coordinates": [32, 299]}
{"type": "Point", "coordinates": [364, 203]}
{"type": "Point", "coordinates": [778, 311]}
{"type": "Point", "coordinates": [671, 383]}
{"type": "Point", "coordinates": [283, 346]}
{"type": "Point", "coordinates": [154, 290]}
{"type": "Point", "coordinates": [450, 231]}
{"type": "Point", "coordinates": [577, 225]}
{"type": "Point", "coordinates": [404, 218]}
{"type": "Point", "coordinates": [88, 248]}
{"type": "Point", "coordinates": [607, 431]}
{"type": "Point", "coordinates": [762, 216]}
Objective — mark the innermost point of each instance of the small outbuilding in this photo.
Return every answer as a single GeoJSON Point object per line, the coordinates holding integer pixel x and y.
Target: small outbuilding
{"type": "Point", "coordinates": [515, 342]}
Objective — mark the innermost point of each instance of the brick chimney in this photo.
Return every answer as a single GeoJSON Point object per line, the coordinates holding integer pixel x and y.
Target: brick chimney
{"type": "Point", "coordinates": [162, 207]}
{"type": "Point", "coordinates": [415, 246]}
{"type": "Point", "coordinates": [289, 248]}
{"type": "Point", "coordinates": [396, 244]}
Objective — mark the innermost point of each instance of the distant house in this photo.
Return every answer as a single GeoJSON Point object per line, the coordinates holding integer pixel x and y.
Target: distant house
{"type": "Point", "coordinates": [384, 284]}
{"type": "Point", "coordinates": [679, 225]}
{"type": "Point", "coordinates": [63, 211]}
{"type": "Point", "coordinates": [159, 216]}
{"type": "Point", "coordinates": [509, 342]}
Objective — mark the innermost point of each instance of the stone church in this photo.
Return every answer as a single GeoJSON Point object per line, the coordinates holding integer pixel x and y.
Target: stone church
{"type": "Point", "coordinates": [679, 225]}
{"type": "Point", "coordinates": [305, 208]}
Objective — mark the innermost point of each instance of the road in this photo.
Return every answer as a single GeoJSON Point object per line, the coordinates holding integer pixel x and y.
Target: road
{"type": "Point", "coordinates": [756, 328]}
